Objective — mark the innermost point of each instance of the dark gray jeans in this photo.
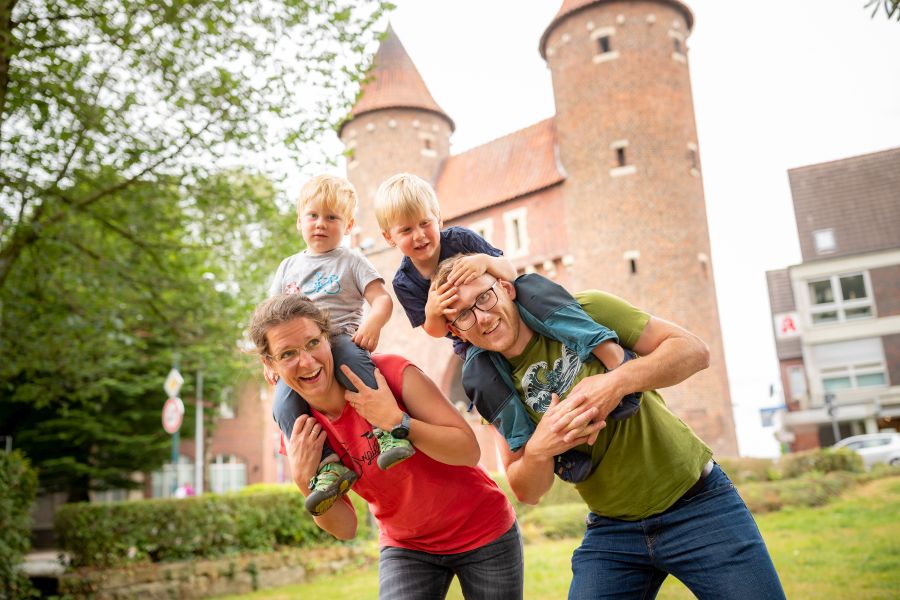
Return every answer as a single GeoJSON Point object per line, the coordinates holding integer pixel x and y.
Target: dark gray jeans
{"type": "Point", "coordinates": [496, 571]}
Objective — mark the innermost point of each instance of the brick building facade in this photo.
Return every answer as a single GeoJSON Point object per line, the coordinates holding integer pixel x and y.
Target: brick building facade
{"type": "Point", "coordinates": [836, 315]}
{"type": "Point", "coordinates": [606, 194]}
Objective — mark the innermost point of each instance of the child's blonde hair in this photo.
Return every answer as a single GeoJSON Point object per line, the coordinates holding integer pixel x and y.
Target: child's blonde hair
{"type": "Point", "coordinates": [333, 192]}
{"type": "Point", "coordinates": [404, 196]}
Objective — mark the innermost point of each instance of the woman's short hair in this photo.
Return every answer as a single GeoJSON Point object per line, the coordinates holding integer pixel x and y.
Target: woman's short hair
{"type": "Point", "coordinates": [282, 309]}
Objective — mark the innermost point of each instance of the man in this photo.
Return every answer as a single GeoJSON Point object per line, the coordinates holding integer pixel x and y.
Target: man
{"type": "Point", "coordinates": [658, 504]}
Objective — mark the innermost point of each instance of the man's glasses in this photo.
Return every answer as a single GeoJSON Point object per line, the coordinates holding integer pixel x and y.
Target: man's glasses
{"type": "Point", "coordinates": [484, 302]}
{"type": "Point", "coordinates": [291, 356]}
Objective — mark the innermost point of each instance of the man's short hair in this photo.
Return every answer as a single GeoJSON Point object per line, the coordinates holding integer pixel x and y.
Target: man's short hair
{"type": "Point", "coordinates": [404, 196]}
{"type": "Point", "coordinates": [282, 309]}
{"type": "Point", "coordinates": [334, 193]}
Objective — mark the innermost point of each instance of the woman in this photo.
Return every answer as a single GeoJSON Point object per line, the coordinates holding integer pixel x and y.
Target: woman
{"type": "Point", "coordinates": [439, 514]}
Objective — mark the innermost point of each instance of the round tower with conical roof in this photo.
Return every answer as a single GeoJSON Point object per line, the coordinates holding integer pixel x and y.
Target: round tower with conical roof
{"type": "Point", "coordinates": [395, 126]}
{"type": "Point", "coordinates": [635, 210]}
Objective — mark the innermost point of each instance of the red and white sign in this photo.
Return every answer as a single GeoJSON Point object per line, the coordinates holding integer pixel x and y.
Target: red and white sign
{"type": "Point", "coordinates": [172, 415]}
{"type": "Point", "coordinates": [787, 325]}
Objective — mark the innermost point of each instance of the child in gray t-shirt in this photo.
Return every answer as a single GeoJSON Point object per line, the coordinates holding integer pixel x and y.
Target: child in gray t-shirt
{"type": "Point", "coordinates": [340, 280]}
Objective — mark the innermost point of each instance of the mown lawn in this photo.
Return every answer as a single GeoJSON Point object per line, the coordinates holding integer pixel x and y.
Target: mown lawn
{"type": "Point", "coordinates": [847, 549]}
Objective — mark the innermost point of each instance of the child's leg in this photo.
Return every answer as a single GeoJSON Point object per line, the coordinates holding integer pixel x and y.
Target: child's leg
{"type": "Point", "coordinates": [550, 310]}
{"type": "Point", "coordinates": [332, 479]}
{"type": "Point", "coordinates": [287, 405]}
{"type": "Point", "coordinates": [557, 315]}
{"type": "Point", "coordinates": [498, 403]}
{"type": "Point", "coordinates": [393, 451]}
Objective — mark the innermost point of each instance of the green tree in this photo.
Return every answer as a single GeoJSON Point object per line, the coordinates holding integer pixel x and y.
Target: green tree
{"type": "Point", "coordinates": [124, 236]}
{"type": "Point", "coordinates": [891, 8]}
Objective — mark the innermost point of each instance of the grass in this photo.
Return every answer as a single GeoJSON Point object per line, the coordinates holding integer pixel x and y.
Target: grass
{"type": "Point", "coordinates": [847, 549]}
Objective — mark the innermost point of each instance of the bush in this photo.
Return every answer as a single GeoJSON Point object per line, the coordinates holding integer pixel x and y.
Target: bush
{"type": "Point", "coordinates": [114, 534]}
{"type": "Point", "coordinates": [824, 460]}
{"type": "Point", "coordinates": [554, 521]}
{"type": "Point", "coordinates": [741, 470]}
{"type": "Point", "coordinates": [813, 489]}
{"type": "Point", "coordinates": [18, 485]}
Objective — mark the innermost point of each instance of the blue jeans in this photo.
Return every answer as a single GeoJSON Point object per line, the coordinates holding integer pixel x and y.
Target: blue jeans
{"type": "Point", "coordinates": [496, 571]}
{"type": "Point", "coordinates": [710, 542]}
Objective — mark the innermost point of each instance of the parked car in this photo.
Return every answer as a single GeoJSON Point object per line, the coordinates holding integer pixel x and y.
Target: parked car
{"type": "Point", "coordinates": [874, 447]}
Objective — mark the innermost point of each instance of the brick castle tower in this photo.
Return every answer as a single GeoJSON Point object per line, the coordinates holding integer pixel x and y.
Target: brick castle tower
{"type": "Point", "coordinates": [605, 194]}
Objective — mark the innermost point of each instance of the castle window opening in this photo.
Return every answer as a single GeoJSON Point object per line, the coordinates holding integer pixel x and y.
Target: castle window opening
{"type": "Point", "coordinates": [620, 157]}
{"type": "Point", "coordinates": [603, 44]}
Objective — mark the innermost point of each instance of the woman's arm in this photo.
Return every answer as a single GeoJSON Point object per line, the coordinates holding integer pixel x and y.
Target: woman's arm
{"type": "Point", "coordinates": [304, 452]}
{"type": "Point", "coordinates": [436, 427]}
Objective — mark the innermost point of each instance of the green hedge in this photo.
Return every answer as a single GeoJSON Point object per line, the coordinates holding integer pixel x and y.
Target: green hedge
{"type": "Point", "coordinates": [18, 485]}
{"type": "Point", "coordinates": [824, 460]}
{"type": "Point", "coordinates": [115, 534]}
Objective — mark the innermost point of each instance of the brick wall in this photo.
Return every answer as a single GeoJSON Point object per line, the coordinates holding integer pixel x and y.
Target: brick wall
{"type": "Point", "coordinates": [886, 290]}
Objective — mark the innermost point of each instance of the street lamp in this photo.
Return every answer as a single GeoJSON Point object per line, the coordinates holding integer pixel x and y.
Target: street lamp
{"type": "Point", "coordinates": [832, 409]}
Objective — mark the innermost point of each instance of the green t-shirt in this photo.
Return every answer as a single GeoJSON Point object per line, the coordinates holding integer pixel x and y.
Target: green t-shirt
{"type": "Point", "coordinates": [643, 464]}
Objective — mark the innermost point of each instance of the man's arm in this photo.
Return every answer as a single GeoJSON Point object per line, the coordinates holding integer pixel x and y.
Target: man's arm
{"type": "Point", "coordinates": [530, 469]}
{"type": "Point", "coordinates": [669, 354]}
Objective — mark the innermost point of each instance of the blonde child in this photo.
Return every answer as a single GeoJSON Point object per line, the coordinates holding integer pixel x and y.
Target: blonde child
{"type": "Point", "coordinates": [342, 281]}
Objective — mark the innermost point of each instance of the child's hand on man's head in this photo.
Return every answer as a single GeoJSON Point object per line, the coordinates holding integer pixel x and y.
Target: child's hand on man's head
{"type": "Point", "coordinates": [439, 301]}
{"type": "Point", "coordinates": [468, 268]}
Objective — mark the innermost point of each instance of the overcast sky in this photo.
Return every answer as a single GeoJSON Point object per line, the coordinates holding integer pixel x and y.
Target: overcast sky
{"type": "Point", "coordinates": [776, 85]}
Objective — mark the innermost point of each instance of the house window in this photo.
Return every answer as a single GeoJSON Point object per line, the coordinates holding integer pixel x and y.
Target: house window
{"type": "Point", "coordinates": [840, 298]}
{"type": "Point", "coordinates": [516, 232]}
{"type": "Point", "coordinates": [851, 364]}
{"type": "Point", "coordinates": [484, 228]}
{"type": "Point", "coordinates": [797, 382]}
{"type": "Point", "coordinates": [227, 473]}
{"type": "Point", "coordinates": [824, 241]}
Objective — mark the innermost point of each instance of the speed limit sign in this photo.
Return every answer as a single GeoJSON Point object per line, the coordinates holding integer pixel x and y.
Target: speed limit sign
{"type": "Point", "coordinates": [172, 414]}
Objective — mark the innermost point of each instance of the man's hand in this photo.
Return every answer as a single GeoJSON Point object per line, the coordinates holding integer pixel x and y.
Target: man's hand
{"type": "Point", "coordinates": [592, 398]}
{"type": "Point", "coordinates": [305, 451]}
{"type": "Point", "coordinates": [562, 428]}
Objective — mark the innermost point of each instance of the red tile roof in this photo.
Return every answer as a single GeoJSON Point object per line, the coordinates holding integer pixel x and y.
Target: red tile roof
{"type": "Point", "coordinates": [520, 163]}
{"type": "Point", "coordinates": [394, 82]}
{"type": "Point", "coordinates": [571, 6]}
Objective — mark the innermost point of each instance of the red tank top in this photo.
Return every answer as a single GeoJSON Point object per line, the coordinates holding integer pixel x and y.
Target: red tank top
{"type": "Point", "coordinates": [420, 504]}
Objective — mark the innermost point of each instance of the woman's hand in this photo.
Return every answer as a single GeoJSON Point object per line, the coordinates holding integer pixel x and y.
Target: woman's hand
{"type": "Point", "coordinates": [305, 451]}
{"type": "Point", "coordinates": [378, 406]}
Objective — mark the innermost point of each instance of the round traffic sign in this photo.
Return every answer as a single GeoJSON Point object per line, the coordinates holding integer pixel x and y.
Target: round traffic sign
{"type": "Point", "coordinates": [172, 414]}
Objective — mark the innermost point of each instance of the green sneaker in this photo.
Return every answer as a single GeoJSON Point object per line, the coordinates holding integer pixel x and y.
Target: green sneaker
{"type": "Point", "coordinates": [330, 483]}
{"type": "Point", "coordinates": [393, 450]}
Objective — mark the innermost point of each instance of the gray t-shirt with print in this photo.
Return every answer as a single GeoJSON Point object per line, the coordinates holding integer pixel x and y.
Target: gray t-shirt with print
{"type": "Point", "coordinates": [335, 280]}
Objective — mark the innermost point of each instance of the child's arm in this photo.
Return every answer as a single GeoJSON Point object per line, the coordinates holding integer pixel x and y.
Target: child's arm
{"type": "Point", "coordinates": [472, 267]}
{"type": "Point", "coordinates": [380, 308]}
{"type": "Point", "coordinates": [437, 309]}
{"type": "Point", "coordinates": [439, 299]}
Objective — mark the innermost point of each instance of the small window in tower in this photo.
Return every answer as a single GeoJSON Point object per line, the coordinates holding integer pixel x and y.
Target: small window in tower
{"type": "Point", "coordinates": [631, 257]}
{"type": "Point", "coordinates": [620, 157]}
{"type": "Point", "coordinates": [677, 44]}
{"type": "Point", "coordinates": [428, 144]}
{"type": "Point", "coordinates": [602, 37]}
{"type": "Point", "coordinates": [620, 165]}
{"type": "Point", "coordinates": [603, 44]}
